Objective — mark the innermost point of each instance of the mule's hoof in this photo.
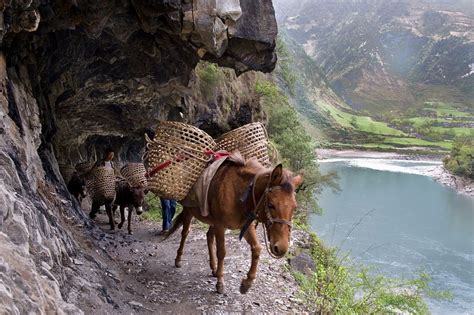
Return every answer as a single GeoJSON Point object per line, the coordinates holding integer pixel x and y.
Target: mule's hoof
{"type": "Point", "coordinates": [220, 287]}
{"type": "Point", "coordinates": [214, 273]}
{"type": "Point", "coordinates": [244, 287]}
{"type": "Point", "coordinates": [120, 225]}
{"type": "Point", "coordinates": [130, 232]}
{"type": "Point", "coordinates": [177, 264]}
{"type": "Point", "coordinates": [112, 228]}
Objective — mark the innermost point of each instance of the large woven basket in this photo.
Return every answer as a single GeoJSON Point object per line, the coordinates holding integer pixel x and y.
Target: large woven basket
{"type": "Point", "coordinates": [182, 148]}
{"type": "Point", "coordinates": [251, 140]}
{"type": "Point", "coordinates": [135, 174]}
{"type": "Point", "coordinates": [101, 184]}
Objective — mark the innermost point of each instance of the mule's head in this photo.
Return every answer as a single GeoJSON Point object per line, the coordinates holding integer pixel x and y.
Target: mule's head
{"type": "Point", "coordinates": [138, 197]}
{"type": "Point", "coordinates": [280, 205]}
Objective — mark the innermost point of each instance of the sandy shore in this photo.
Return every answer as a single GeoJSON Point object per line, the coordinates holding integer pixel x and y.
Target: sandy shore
{"type": "Point", "coordinates": [438, 173]}
{"type": "Point", "coordinates": [332, 153]}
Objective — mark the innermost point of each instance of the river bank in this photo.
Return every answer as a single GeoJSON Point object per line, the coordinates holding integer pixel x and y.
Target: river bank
{"type": "Point", "coordinates": [436, 171]}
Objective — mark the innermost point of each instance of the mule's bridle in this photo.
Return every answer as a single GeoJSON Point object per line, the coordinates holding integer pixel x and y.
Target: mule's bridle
{"type": "Point", "coordinates": [255, 214]}
{"type": "Point", "coordinates": [264, 198]}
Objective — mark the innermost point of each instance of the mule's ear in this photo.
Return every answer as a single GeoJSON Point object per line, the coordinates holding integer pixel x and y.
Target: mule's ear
{"type": "Point", "coordinates": [277, 173]}
{"type": "Point", "coordinates": [297, 180]}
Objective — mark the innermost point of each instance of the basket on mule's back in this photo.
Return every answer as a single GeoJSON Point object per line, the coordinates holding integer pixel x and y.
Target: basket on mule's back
{"type": "Point", "coordinates": [134, 174]}
{"type": "Point", "coordinates": [101, 184]}
{"type": "Point", "coordinates": [251, 140]}
{"type": "Point", "coordinates": [176, 157]}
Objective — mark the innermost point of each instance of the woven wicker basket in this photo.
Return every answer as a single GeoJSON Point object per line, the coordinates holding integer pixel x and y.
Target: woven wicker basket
{"type": "Point", "coordinates": [84, 167]}
{"type": "Point", "coordinates": [182, 146]}
{"type": "Point", "coordinates": [135, 174]}
{"type": "Point", "coordinates": [251, 140]}
{"type": "Point", "coordinates": [101, 184]}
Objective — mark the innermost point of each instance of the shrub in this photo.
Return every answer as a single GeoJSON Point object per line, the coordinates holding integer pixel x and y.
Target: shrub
{"type": "Point", "coordinates": [210, 74]}
{"type": "Point", "coordinates": [336, 288]}
{"type": "Point", "coordinates": [461, 159]}
{"type": "Point", "coordinates": [295, 146]}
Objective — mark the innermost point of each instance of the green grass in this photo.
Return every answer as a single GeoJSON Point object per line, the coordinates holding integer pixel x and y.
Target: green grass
{"type": "Point", "coordinates": [417, 142]}
{"type": "Point", "coordinates": [154, 212]}
{"type": "Point", "coordinates": [377, 146]}
{"type": "Point", "coordinates": [360, 123]}
{"type": "Point", "coordinates": [446, 110]}
{"type": "Point", "coordinates": [363, 145]}
{"type": "Point", "coordinates": [457, 131]}
{"type": "Point", "coordinates": [420, 121]}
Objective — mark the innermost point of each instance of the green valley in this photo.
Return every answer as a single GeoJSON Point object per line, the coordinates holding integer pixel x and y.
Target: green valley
{"type": "Point", "coordinates": [429, 126]}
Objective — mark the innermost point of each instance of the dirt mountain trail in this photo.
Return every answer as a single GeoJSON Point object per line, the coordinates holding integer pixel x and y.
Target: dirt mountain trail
{"type": "Point", "coordinates": [139, 276]}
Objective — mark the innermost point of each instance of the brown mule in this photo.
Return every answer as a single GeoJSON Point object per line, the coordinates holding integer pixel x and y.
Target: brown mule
{"type": "Point", "coordinates": [239, 193]}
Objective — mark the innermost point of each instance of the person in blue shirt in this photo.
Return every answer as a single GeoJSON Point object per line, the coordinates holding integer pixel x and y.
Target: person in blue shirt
{"type": "Point", "coordinates": [168, 209]}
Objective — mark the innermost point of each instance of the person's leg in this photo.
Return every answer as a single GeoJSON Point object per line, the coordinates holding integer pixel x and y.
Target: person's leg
{"type": "Point", "coordinates": [172, 210]}
{"type": "Point", "coordinates": [165, 212]}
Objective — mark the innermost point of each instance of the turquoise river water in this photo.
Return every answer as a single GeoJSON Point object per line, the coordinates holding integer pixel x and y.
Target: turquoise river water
{"type": "Point", "coordinates": [408, 222]}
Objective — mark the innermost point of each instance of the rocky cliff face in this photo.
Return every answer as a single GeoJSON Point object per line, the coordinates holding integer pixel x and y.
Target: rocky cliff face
{"type": "Point", "coordinates": [385, 54]}
{"type": "Point", "coordinates": [76, 76]}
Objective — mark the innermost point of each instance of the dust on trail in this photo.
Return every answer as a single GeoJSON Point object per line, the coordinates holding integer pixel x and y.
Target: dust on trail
{"type": "Point", "coordinates": [136, 274]}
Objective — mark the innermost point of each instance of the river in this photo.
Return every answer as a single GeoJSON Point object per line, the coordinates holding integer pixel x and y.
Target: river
{"type": "Point", "coordinates": [407, 223]}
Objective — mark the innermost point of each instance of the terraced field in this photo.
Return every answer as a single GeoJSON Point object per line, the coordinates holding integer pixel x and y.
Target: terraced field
{"type": "Point", "coordinates": [360, 123]}
{"type": "Point", "coordinates": [433, 127]}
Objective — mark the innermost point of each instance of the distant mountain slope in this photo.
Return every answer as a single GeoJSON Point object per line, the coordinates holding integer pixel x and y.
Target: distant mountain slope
{"type": "Point", "coordinates": [383, 55]}
{"type": "Point", "coordinates": [324, 113]}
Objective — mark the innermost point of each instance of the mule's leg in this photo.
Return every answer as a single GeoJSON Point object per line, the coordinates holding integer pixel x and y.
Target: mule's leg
{"type": "Point", "coordinates": [108, 208]}
{"type": "Point", "coordinates": [114, 208]}
{"type": "Point", "coordinates": [130, 211]}
{"type": "Point", "coordinates": [251, 238]}
{"type": "Point", "coordinates": [122, 216]}
{"type": "Point", "coordinates": [187, 217]}
{"type": "Point", "coordinates": [220, 241]}
{"type": "Point", "coordinates": [211, 245]}
{"type": "Point", "coordinates": [94, 209]}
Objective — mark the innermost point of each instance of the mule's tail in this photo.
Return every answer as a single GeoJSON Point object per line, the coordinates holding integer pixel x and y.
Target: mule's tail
{"type": "Point", "coordinates": [178, 222]}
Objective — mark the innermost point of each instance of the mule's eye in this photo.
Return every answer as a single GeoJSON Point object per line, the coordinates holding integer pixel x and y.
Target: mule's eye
{"type": "Point", "coordinates": [271, 206]}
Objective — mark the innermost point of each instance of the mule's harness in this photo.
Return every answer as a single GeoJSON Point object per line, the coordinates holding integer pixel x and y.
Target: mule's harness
{"type": "Point", "coordinates": [254, 215]}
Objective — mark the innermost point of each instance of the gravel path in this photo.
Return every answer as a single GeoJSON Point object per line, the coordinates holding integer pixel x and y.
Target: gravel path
{"type": "Point", "coordinates": [136, 274]}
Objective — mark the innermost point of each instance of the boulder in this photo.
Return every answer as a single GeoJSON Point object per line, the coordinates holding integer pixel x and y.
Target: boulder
{"type": "Point", "coordinates": [302, 263]}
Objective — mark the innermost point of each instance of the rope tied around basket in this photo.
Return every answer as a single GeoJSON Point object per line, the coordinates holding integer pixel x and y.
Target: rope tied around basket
{"type": "Point", "coordinates": [179, 153]}
{"type": "Point", "coordinates": [213, 156]}
{"type": "Point", "coordinates": [176, 158]}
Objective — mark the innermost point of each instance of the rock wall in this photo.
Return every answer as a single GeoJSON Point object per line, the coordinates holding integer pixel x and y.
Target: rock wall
{"type": "Point", "coordinates": [76, 76]}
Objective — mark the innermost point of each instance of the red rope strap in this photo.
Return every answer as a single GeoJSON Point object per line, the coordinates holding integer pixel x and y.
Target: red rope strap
{"type": "Point", "coordinates": [216, 156]}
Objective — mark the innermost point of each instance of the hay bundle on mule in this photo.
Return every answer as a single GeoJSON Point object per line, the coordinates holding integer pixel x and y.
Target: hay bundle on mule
{"type": "Point", "coordinates": [176, 157]}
